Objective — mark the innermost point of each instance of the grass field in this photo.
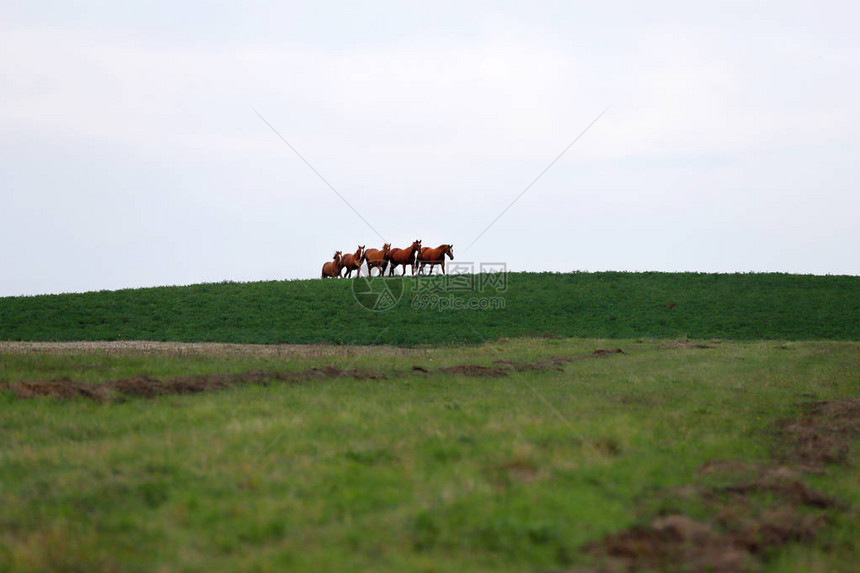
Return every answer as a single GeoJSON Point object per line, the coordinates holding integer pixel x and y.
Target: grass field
{"type": "Point", "coordinates": [530, 454]}
{"type": "Point", "coordinates": [455, 310]}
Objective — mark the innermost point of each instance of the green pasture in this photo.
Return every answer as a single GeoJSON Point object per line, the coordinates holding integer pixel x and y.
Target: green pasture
{"type": "Point", "coordinates": [453, 310]}
{"type": "Point", "coordinates": [407, 470]}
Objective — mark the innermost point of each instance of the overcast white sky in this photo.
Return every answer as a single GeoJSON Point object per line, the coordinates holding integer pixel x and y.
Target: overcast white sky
{"type": "Point", "coordinates": [131, 154]}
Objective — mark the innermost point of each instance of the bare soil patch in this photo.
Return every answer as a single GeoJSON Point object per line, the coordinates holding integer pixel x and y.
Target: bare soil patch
{"type": "Point", "coordinates": [743, 526]}
{"type": "Point", "coordinates": [475, 370]}
{"type": "Point", "coordinates": [503, 367]}
{"type": "Point", "coordinates": [822, 436]}
{"type": "Point", "coordinates": [148, 387]}
{"type": "Point", "coordinates": [553, 362]}
{"type": "Point", "coordinates": [604, 352]}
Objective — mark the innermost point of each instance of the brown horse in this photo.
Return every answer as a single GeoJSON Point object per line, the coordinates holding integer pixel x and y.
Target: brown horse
{"type": "Point", "coordinates": [404, 257]}
{"type": "Point", "coordinates": [378, 259]}
{"type": "Point", "coordinates": [352, 261]}
{"type": "Point", "coordinates": [433, 257]}
{"type": "Point", "coordinates": [332, 268]}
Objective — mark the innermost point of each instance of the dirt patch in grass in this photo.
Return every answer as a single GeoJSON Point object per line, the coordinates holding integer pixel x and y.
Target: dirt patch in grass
{"type": "Point", "coordinates": [63, 388]}
{"type": "Point", "coordinates": [821, 436]}
{"type": "Point", "coordinates": [790, 491]}
{"type": "Point", "coordinates": [502, 367]}
{"type": "Point", "coordinates": [148, 387]}
{"type": "Point", "coordinates": [475, 370]}
{"type": "Point", "coordinates": [673, 542]}
{"type": "Point", "coordinates": [553, 362]}
{"type": "Point", "coordinates": [604, 352]}
{"type": "Point", "coordinates": [760, 508]}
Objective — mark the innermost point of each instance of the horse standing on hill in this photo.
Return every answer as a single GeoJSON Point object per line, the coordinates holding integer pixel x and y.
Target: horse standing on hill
{"type": "Point", "coordinates": [404, 257]}
{"type": "Point", "coordinates": [352, 261]}
{"type": "Point", "coordinates": [332, 268]}
{"type": "Point", "coordinates": [378, 259]}
{"type": "Point", "coordinates": [432, 257]}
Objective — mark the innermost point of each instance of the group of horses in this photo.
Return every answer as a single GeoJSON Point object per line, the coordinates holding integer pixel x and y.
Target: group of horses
{"type": "Point", "coordinates": [389, 259]}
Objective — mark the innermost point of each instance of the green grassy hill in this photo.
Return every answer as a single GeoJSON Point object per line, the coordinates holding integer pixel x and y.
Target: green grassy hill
{"type": "Point", "coordinates": [466, 308]}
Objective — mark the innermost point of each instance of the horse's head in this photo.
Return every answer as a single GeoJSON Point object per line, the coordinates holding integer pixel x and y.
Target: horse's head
{"type": "Point", "coordinates": [416, 246]}
{"type": "Point", "coordinates": [386, 248]}
{"type": "Point", "coordinates": [449, 250]}
{"type": "Point", "coordinates": [359, 252]}
{"type": "Point", "coordinates": [338, 255]}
